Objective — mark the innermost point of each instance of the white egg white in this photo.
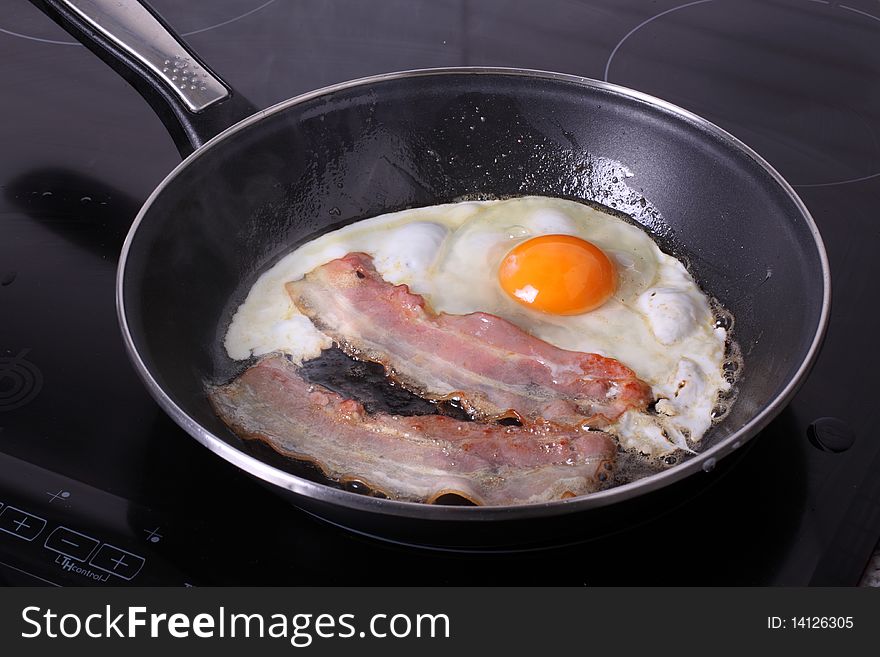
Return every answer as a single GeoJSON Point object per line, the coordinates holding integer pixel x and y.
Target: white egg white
{"type": "Point", "coordinates": [658, 322]}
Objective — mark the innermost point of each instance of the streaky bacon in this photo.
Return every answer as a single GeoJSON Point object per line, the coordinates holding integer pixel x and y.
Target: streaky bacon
{"type": "Point", "coordinates": [491, 366]}
{"type": "Point", "coordinates": [415, 458]}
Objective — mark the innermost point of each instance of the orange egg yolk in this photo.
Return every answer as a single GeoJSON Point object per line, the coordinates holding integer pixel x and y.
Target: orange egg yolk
{"type": "Point", "coordinates": [558, 274]}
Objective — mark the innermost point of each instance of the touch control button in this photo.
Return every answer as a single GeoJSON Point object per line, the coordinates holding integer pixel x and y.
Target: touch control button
{"type": "Point", "coordinates": [831, 434]}
{"type": "Point", "coordinates": [117, 562]}
{"type": "Point", "coordinates": [18, 523]}
{"type": "Point", "coordinates": [71, 544]}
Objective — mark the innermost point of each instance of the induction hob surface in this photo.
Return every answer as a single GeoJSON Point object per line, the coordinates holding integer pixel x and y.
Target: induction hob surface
{"type": "Point", "coordinates": [98, 486]}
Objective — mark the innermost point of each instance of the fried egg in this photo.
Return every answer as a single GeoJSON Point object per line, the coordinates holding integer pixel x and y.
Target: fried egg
{"type": "Point", "coordinates": [514, 258]}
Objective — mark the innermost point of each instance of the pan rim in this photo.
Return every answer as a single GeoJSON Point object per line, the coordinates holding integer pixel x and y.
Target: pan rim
{"type": "Point", "coordinates": [415, 510]}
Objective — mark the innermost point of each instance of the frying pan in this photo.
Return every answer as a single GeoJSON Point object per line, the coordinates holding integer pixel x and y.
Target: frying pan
{"type": "Point", "coordinates": [255, 184]}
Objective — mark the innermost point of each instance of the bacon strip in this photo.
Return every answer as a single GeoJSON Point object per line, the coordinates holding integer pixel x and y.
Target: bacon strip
{"type": "Point", "coordinates": [492, 367]}
{"type": "Point", "coordinates": [411, 458]}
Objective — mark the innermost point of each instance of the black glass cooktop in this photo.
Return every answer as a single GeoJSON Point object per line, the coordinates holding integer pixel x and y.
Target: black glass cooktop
{"type": "Point", "coordinates": [98, 486]}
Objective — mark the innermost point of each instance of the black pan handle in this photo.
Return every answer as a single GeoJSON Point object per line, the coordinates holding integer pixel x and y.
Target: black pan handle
{"type": "Point", "coordinates": [192, 101]}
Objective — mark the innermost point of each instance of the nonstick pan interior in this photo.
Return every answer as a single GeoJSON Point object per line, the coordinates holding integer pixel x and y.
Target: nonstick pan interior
{"type": "Point", "coordinates": [417, 139]}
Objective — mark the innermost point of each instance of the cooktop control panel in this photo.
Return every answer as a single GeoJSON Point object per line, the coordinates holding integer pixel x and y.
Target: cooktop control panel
{"type": "Point", "coordinates": [50, 533]}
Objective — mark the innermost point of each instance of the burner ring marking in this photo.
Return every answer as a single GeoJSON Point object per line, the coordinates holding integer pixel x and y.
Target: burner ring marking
{"type": "Point", "coordinates": [26, 378]}
{"type": "Point", "coordinates": [699, 2]}
{"type": "Point", "coordinates": [183, 34]}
